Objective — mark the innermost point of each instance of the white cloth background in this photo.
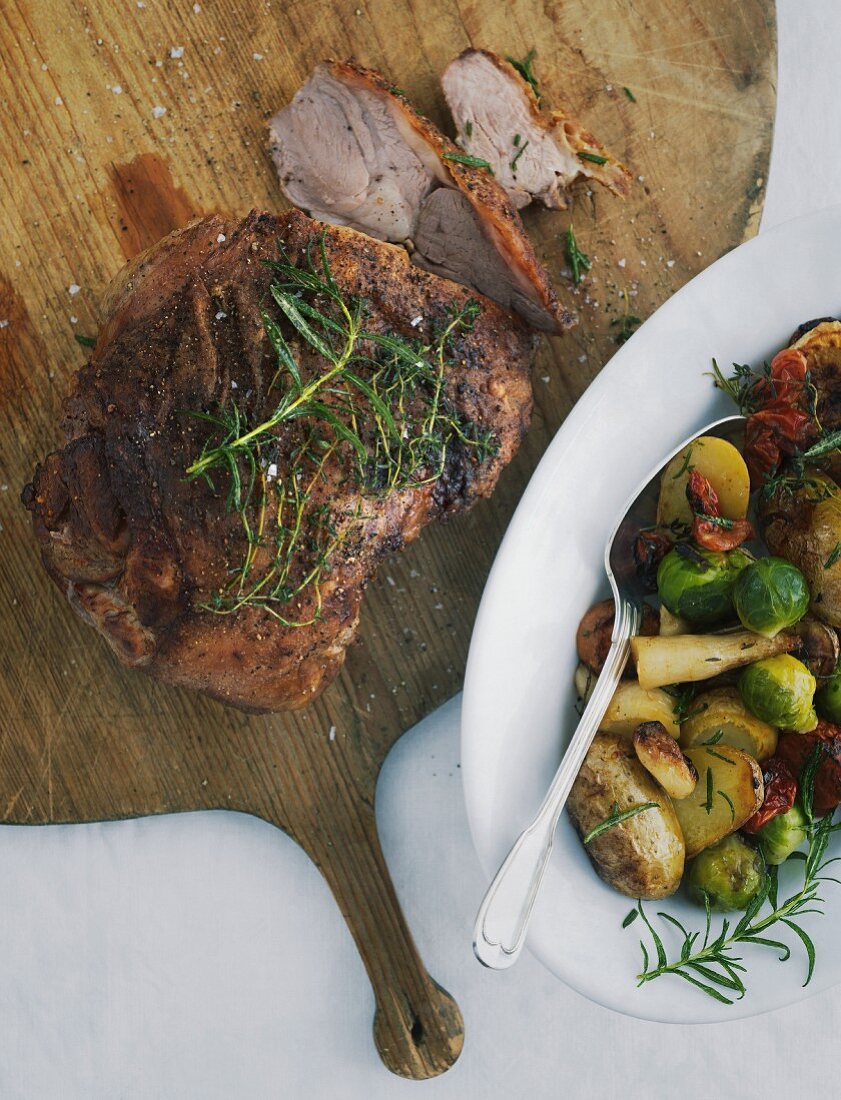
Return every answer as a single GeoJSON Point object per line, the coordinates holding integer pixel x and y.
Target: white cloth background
{"type": "Point", "coordinates": [203, 956]}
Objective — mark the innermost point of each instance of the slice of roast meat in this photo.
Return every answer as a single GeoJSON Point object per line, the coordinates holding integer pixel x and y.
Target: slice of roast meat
{"type": "Point", "coordinates": [245, 581]}
{"type": "Point", "coordinates": [534, 153]}
{"type": "Point", "coordinates": [351, 150]}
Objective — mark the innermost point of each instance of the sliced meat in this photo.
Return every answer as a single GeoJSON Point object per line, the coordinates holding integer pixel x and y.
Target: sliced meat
{"type": "Point", "coordinates": [255, 604]}
{"type": "Point", "coordinates": [351, 150]}
{"type": "Point", "coordinates": [534, 153]}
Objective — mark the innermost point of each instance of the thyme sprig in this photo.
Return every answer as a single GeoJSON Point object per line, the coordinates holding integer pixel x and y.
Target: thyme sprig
{"type": "Point", "coordinates": [711, 963]}
{"type": "Point", "coordinates": [524, 68]}
{"type": "Point", "coordinates": [578, 261]}
{"type": "Point", "coordinates": [375, 406]}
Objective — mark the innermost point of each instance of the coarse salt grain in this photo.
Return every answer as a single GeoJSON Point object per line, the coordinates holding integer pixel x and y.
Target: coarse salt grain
{"type": "Point", "coordinates": [620, 263]}
{"type": "Point", "coordinates": [257, 56]}
{"type": "Point", "coordinates": [74, 320]}
{"type": "Point", "coordinates": [221, 315]}
{"type": "Point", "coordinates": [220, 238]}
{"type": "Point", "coordinates": [416, 322]}
{"type": "Point", "coordinates": [58, 101]}
{"type": "Point", "coordinates": [332, 733]}
{"type": "Point", "coordinates": [391, 581]}
{"type": "Point", "coordinates": [4, 323]}
{"type": "Point", "coordinates": [670, 263]}
{"type": "Point", "coordinates": [74, 288]}
{"type": "Point", "coordinates": [117, 89]}
{"type": "Point", "coordinates": [271, 472]}
{"type": "Point", "coordinates": [176, 52]}
{"type": "Point", "coordinates": [158, 112]}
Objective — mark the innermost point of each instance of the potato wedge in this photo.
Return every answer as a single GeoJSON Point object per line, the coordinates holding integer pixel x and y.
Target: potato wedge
{"type": "Point", "coordinates": [632, 704]}
{"type": "Point", "coordinates": [723, 466]}
{"type": "Point", "coordinates": [729, 791]}
{"type": "Point", "coordinates": [660, 755]}
{"type": "Point", "coordinates": [643, 856]}
{"type": "Point", "coordinates": [721, 711]}
{"type": "Point", "coordinates": [688, 658]}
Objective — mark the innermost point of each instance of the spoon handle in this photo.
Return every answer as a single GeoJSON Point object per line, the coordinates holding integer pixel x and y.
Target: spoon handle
{"type": "Point", "coordinates": [503, 917]}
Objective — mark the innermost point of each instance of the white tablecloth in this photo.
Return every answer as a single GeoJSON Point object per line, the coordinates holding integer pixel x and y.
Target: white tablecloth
{"type": "Point", "coordinates": [203, 956]}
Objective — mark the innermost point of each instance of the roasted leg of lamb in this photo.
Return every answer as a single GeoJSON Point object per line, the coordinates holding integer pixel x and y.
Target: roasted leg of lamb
{"type": "Point", "coordinates": [271, 407]}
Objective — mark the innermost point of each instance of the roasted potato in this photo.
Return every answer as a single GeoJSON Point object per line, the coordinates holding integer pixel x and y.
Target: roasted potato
{"type": "Point", "coordinates": [729, 791]}
{"type": "Point", "coordinates": [688, 658]}
{"type": "Point", "coordinates": [723, 466]}
{"type": "Point", "coordinates": [632, 704]}
{"type": "Point", "coordinates": [660, 755]}
{"type": "Point", "coordinates": [722, 711]}
{"type": "Point", "coordinates": [804, 526]}
{"type": "Point", "coordinates": [643, 856]}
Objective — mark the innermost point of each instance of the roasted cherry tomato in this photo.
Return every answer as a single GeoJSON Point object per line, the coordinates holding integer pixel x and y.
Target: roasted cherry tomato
{"type": "Point", "coordinates": [795, 749]}
{"type": "Point", "coordinates": [783, 422]}
{"type": "Point", "coordinates": [780, 793]}
{"type": "Point", "coordinates": [650, 547]}
{"type": "Point", "coordinates": [710, 529]}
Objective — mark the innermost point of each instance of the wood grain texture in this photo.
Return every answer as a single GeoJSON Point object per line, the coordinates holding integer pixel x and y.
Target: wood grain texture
{"type": "Point", "coordinates": [91, 170]}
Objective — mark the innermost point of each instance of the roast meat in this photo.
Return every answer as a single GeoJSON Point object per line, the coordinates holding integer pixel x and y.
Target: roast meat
{"type": "Point", "coordinates": [351, 150]}
{"type": "Point", "coordinates": [230, 557]}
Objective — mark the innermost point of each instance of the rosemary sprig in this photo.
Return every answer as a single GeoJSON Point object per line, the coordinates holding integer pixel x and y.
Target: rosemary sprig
{"type": "Point", "coordinates": [616, 817]}
{"type": "Point", "coordinates": [524, 68]}
{"type": "Point", "coordinates": [594, 158]}
{"type": "Point", "coordinates": [471, 162]}
{"type": "Point", "coordinates": [373, 407]}
{"type": "Point", "coordinates": [578, 261]}
{"type": "Point", "coordinates": [629, 94]}
{"type": "Point", "coordinates": [711, 964]}
{"type": "Point", "coordinates": [520, 150]}
{"type": "Point", "coordinates": [85, 341]}
{"type": "Point", "coordinates": [834, 555]}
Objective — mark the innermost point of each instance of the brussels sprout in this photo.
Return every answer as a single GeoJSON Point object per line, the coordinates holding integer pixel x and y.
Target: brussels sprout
{"type": "Point", "coordinates": [770, 594]}
{"type": "Point", "coordinates": [731, 873]}
{"type": "Point", "coordinates": [697, 585]}
{"type": "Point", "coordinates": [828, 699]}
{"type": "Point", "coordinates": [782, 835]}
{"type": "Point", "coordinates": [780, 690]}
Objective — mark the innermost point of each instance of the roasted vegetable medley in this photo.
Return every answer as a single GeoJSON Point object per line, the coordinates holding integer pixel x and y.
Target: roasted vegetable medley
{"type": "Point", "coordinates": [720, 751]}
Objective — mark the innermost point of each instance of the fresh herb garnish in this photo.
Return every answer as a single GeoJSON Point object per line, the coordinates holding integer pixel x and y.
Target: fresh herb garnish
{"type": "Point", "coordinates": [85, 341]}
{"type": "Point", "coordinates": [721, 756]}
{"type": "Point", "coordinates": [524, 68]}
{"type": "Point", "coordinates": [740, 387]}
{"type": "Point", "coordinates": [375, 405]}
{"type": "Point", "coordinates": [595, 158]}
{"type": "Point", "coordinates": [616, 817]}
{"type": "Point", "coordinates": [727, 797]}
{"type": "Point", "coordinates": [471, 162]}
{"type": "Point", "coordinates": [517, 156]}
{"type": "Point", "coordinates": [685, 468]}
{"type": "Point", "coordinates": [630, 918]}
{"type": "Point", "coordinates": [627, 326]}
{"type": "Point", "coordinates": [708, 803]}
{"type": "Point", "coordinates": [578, 261]}
{"type": "Point", "coordinates": [835, 554]}
{"type": "Point", "coordinates": [629, 94]}
{"type": "Point", "coordinates": [713, 967]}
{"type": "Point", "coordinates": [714, 738]}
{"type": "Point", "coordinates": [516, 140]}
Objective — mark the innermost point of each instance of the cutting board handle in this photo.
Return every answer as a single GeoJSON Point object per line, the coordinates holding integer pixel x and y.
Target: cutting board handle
{"type": "Point", "coordinates": [418, 1027]}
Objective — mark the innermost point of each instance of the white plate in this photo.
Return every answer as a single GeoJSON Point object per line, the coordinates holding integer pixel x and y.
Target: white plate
{"type": "Point", "coordinates": [518, 708]}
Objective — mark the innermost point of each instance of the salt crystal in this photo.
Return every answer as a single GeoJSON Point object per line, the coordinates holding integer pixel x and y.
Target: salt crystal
{"type": "Point", "coordinates": [271, 471]}
{"type": "Point", "coordinates": [221, 315]}
{"type": "Point", "coordinates": [74, 288]}
{"type": "Point", "coordinates": [670, 263]}
{"type": "Point", "coordinates": [220, 238]}
{"type": "Point", "coordinates": [332, 733]}
{"type": "Point", "coordinates": [390, 580]}
{"type": "Point", "coordinates": [545, 379]}
{"type": "Point", "coordinates": [117, 89]}
{"type": "Point", "coordinates": [44, 67]}
{"type": "Point", "coordinates": [4, 323]}
{"type": "Point", "coordinates": [257, 56]}
{"type": "Point", "coordinates": [197, 8]}
{"type": "Point", "coordinates": [176, 52]}
{"type": "Point", "coordinates": [140, 4]}
{"type": "Point", "coordinates": [234, 386]}
{"type": "Point", "coordinates": [620, 263]}
{"type": "Point", "coordinates": [416, 322]}
{"type": "Point", "coordinates": [73, 320]}
{"type": "Point", "coordinates": [158, 112]}
{"type": "Point", "coordinates": [414, 573]}
{"type": "Point", "coordinates": [58, 101]}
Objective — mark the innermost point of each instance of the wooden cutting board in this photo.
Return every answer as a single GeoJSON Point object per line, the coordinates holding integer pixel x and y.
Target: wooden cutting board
{"type": "Point", "coordinates": [119, 122]}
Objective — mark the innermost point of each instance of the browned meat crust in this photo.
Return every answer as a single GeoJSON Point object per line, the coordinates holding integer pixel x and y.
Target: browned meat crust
{"type": "Point", "coordinates": [142, 552]}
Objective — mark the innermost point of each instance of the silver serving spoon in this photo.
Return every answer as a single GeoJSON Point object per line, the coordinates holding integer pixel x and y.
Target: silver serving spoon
{"type": "Point", "coordinates": [503, 917]}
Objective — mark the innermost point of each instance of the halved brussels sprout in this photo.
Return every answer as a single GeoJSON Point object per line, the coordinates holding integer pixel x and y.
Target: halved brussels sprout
{"type": "Point", "coordinates": [780, 690]}
{"type": "Point", "coordinates": [731, 873]}
{"type": "Point", "coordinates": [770, 594]}
{"type": "Point", "coordinates": [782, 835]}
{"type": "Point", "coordinates": [828, 699]}
{"type": "Point", "coordinates": [697, 585]}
